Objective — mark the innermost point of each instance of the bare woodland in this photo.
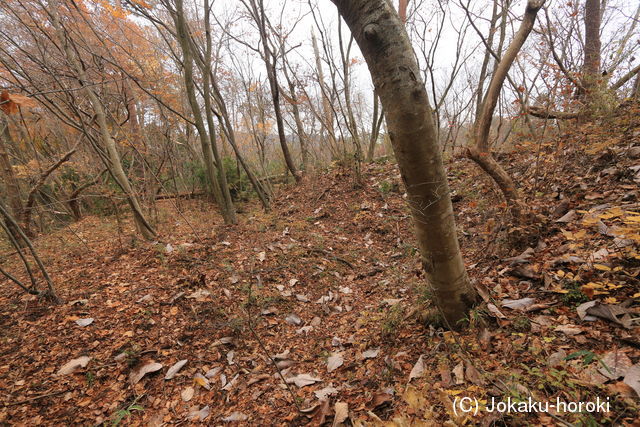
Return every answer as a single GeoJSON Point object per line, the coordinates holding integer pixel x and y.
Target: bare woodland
{"type": "Point", "coordinates": [340, 212]}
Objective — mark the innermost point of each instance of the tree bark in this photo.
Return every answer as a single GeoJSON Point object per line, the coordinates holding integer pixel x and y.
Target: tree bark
{"type": "Point", "coordinates": [31, 198]}
{"type": "Point", "coordinates": [375, 128]}
{"type": "Point", "coordinates": [592, 46]}
{"type": "Point", "coordinates": [7, 173]}
{"type": "Point", "coordinates": [402, 10]}
{"type": "Point", "coordinates": [481, 151]}
{"type": "Point", "coordinates": [270, 58]}
{"type": "Point", "coordinates": [114, 163]}
{"type": "Point", "coordinates": [385, 45]}
{"type": "Point", "coordinates": [327, 111]}
{"type": "Point", "coordinates": [205, 141]}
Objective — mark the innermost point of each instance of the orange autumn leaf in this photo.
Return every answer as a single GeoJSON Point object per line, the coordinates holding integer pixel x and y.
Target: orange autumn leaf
{"type": "Point", "coordinates": [9, 102]}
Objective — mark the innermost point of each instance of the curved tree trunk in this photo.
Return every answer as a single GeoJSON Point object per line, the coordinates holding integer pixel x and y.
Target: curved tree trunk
{"type": "Point", "coordinates": [114, 163]}
{"type": "Point", "coordinates": [481, 152]}
{"type": "Point", "coordinates": [385, 45]}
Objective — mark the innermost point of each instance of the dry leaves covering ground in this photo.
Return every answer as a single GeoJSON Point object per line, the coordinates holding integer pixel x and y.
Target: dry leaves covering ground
{"type": "Point", "coordinates": [313, 313]}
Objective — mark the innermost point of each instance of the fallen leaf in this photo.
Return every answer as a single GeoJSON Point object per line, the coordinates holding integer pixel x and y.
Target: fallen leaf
{"type": "Point", "coordinates": [202, 381]}
{"type": "Point", "coordinates": [632, 378]}
{"type": "Point", "coordinates": [518, 304]}
{"type": "Point", "coordinates": [418, 369]}
{"type": "Point", "coordinates": [569, 329]}
{"type": "Point", "coordinates": [472, 374]}
{"type": "Point", "coordinates": [235, 416]}
{"type": "Point", "coordinates": [371, 353]}
{"type": "Point", "coordinates": [582, 309]}
{"type": "Point", "coordinates": [293, 319]}
{"type": "Point", "coordinates": [187, 394]}
{"type": "Point", "coordinates": [175, 369]}
{"type": "Point", "coordinates": [303, 380]}
{"type": "Point", "coordinates": [615, 364]}
{"type": "Point", "coordinates": [458, 373]}
{"type": "Point", "coordinates": [341, 410]}
{"type": "Point", "coordinates": [84, 322]}
{"type": "Point", "coordinates": [380, 399]}
{"type": "Point", "coordinates": [200, 415]}
{"type": "Point", "coordinates": [74, 364]}
{"type": "Point", "coordinates": [495, 311]}
{"type": "Point", "coordinates": [324, 393]}
{"type": "Point", "coordinates": [334, 362]}
{"type": "Point", "coordinates": [145, 369]}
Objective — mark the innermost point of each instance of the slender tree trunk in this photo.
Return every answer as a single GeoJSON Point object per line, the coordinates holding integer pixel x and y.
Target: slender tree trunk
{"type": "Point", "coordinates": [204, 137]}
{"type": "Point", "coordinates": [481, 151]}
{"type": "Point", "coordinates": [270, 59]}
{"type": "Point", "coordinates": [375, 128]}
{"type": "Point", "coordinates": [114, 163]}
{"type": "Point", "coordinates": [385, 45]}
{"type": "Point", "coordinates": [275, 96]}
{"type": "Point", "coordinates": [636, 88]}
{"type": "Point", "coordinates": [485, 62]}
{"type": "Point", "coordinates": [6, 170]}
{"type": "Point", "coordinates": [51, 293]}
{"type": "Point", "coordinates": [402, 10]}
{"type": "Point", "coordinates": [351, 121]}
{"type": "Point", "coordinates": [230, 210]}
{"type": "Point", "coordinates": [326, 103]}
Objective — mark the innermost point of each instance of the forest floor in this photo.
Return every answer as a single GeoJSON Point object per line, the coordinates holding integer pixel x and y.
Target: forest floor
{"type": "Point", "coordinates": [328, 287]}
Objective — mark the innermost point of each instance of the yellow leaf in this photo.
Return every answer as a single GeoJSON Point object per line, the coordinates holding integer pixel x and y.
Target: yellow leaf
{"type": "Point", "coordinates": [200, 381]}
{"type": "Point", "coordinates": [593, 285]}
{"type": "Point", "coordinates": [610, 300]}
{"type": "Point", "coordinates": [580, 234]}
{"type": "Point", "coordinates": [636, 295]}
{"type": "Point", "coordinates": [568, 235]}
{"type": "Point", "coordinates": [601, 267]}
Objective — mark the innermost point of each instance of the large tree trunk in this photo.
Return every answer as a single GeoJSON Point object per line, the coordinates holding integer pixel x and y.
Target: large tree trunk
{"type": "Point", "coordinates": [481, 151]}
{"type": "Point", "coordinates": [592, 47]}
{"type": "Point", "coordinates": [385, 45]}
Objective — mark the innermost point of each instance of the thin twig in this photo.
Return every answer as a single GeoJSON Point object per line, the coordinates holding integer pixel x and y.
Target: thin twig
{"type": "Point", "coordinates": [31, 399]}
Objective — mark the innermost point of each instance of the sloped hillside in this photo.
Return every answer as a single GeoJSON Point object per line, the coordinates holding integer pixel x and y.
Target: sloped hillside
{"type": "Point", "coordinates": [315, 312]}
